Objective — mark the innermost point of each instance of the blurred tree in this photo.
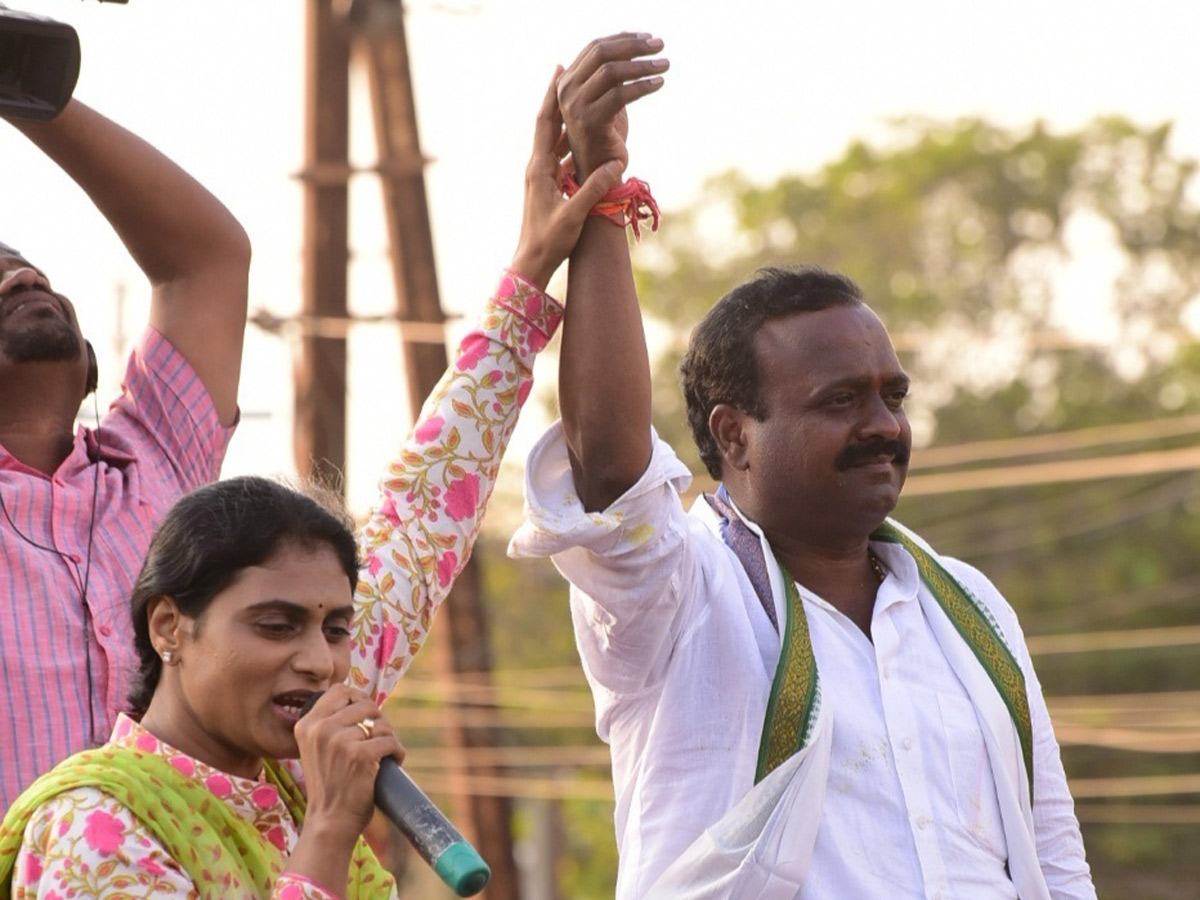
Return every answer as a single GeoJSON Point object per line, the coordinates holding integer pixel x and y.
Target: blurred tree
{"type": "Point", "coordinates": [960, 235]}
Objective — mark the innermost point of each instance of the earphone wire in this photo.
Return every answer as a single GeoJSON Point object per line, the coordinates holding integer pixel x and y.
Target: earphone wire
{"type": "Point", "coordinates": [87, 578]}
{"type": "Point", "coordinates": [87, 573]}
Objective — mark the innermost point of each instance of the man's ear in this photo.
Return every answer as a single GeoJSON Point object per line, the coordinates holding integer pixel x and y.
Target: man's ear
{"type": "Point", "coordinates": [727, 424]}
{"type": "Point", "coordinates": [166, 623]}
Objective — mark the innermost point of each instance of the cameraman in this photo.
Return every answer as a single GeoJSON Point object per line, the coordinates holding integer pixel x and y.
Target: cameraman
{"type": "Point", "coordinates": [78, 507]}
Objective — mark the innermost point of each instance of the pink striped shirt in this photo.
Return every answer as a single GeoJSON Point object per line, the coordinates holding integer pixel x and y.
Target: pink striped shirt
{"type": "Point", "coordinates": [160, 438]}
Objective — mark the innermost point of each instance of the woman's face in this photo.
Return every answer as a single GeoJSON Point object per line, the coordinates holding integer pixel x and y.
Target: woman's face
{"type": "Point", "coordinates": [242, 671]}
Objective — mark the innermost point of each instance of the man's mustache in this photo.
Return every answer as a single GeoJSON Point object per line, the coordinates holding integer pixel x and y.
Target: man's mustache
{"type": "Point", "coordinates": [869, 451]}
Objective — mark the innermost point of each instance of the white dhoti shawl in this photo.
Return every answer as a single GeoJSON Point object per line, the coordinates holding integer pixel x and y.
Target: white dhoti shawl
{"type": "Point", "coordinates": [761, 849]}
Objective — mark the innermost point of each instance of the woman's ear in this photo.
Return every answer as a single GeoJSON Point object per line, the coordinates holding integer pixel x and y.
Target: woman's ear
{"type": "Point", "coordinates": [728, 427]}
{"type": "Point", "coordinates": [166, 626]}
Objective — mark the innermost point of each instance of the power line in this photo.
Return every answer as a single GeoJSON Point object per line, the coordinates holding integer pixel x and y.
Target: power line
{"type": "Point", "coordinates": [1021, 537]}
{"type": "Point", "coordinates": [1128, 739]}
{"type": "Point", "coordinates": [576, 756]}
{"type": "Point", "coordinates": [1036, 339]}
{"type": "Point", "coordinates": [546, 788]}
{"type": "Point", "coordinates": [1139, 814]}
{"type": "Point", "coordinates": [1151, 462]}
{"type": "Point", "coordinates": [1094, 641]}
{"type": "Point", "coordinates": [1135, 786]}
{"type": "Point", "coordinates": [1164, 722]}
{"type": "Point", "coordinates": [1141, 703]}
{"type": "Point", "coordinates": [1056, 442]}
{"type": "Point", "coordinates": [541, 676]}
{"type": "Point", "coordinates": [1181, 589]}
{"type": "Point", "coordinates": [573, 698]}
{"type": "Point", "coordinates": [475, 717]}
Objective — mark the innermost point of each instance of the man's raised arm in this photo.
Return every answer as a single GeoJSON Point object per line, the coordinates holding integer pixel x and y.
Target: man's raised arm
{"type": "Point", "coordinates": [604, 374]}
{"type": "Point", "coordinates": [189, 246]}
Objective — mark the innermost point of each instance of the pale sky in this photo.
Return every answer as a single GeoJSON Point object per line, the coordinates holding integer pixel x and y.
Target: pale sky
{"type": "Point", "coordinates": [765, 87]}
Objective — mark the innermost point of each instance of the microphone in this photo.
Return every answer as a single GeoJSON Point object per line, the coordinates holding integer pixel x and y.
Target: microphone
{"type": "Point", "coordinates": [438, 842]}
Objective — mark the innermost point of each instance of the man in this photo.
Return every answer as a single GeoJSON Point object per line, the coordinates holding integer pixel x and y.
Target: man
{"type": "Point", "coordinates": [801, 698]}
{"type": "Point", "coordinates": [79, 507]}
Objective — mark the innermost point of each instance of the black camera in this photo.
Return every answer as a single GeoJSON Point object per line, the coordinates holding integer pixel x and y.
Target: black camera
{"type": "Point", "coordinates": [39, 65]}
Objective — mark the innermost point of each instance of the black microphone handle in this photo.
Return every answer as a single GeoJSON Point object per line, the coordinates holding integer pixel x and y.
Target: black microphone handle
{"type": "Point", "coordinates": [407, 807]}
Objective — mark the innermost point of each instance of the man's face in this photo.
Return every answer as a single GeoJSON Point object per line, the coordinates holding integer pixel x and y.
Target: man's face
{"type": "Point", "coordinates": [36, 324]}
{"type": "Point", "coordinates": [829, 460]}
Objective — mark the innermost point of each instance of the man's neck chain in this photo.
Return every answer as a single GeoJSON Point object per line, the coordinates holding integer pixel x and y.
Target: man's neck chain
{"type": "Point", "coordinates": [876, 566]}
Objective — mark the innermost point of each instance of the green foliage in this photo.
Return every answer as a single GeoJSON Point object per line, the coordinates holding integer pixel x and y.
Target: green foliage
{"type": "Point", "coordinates": [957, 234]}
{"type": "Point", "coordinates": [589, 866]}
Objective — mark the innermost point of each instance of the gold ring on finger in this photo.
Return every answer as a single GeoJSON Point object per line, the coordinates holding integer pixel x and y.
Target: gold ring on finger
{"type": "Point", "coordinates": [367, 726]}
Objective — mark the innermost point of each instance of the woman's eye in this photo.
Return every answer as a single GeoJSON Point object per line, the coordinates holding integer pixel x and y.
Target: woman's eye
{"type": "Point", "coordinates": [337, 632]}
{"type": "Point", "coordinates": [274, 629]}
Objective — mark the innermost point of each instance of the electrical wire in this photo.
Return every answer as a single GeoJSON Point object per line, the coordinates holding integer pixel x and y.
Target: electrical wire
{"type": "Point", "coordinates": [1121, 639]}
{"type": "Point", "coordinates": [1149, 462]}
{"type": "Point", "coordinates": [1139, 814]}
{"type": "Point", "coordinates": [1054, 442]}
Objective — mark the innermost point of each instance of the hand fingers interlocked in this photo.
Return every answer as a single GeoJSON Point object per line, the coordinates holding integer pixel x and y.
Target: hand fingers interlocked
{"type": "Point", "coordinates": [594, 91]}
{"type": "Point", "coordinates": [586, 104]}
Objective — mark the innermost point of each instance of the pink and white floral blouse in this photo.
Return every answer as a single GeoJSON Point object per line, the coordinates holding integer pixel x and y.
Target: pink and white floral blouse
{"type": "Point", "coordinates": [85, 844]}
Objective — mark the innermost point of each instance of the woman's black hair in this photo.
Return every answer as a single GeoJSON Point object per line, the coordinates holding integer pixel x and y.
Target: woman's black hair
{"type": "Point", "coordinates": [721, 365]}
{"type": "Point", "coordinates": [210, 536]}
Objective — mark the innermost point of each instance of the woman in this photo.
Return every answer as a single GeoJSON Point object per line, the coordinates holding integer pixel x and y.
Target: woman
{"type": "Point", "coordinates": [248, 605]}
{"type": "Point", "coordinates": [242, 611]}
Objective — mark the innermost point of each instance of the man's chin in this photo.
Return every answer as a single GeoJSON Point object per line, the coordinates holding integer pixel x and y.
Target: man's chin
{"type": "Point", "coordinates": [48, 342]}
{"type": "Point", "coordinates": [885, 499]}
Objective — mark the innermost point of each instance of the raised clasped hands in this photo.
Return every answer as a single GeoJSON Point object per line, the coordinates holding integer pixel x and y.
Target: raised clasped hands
{"type": "Point", "coordinates": [583, 111]}
{"type": "Point", "coordinates": [594, 92]}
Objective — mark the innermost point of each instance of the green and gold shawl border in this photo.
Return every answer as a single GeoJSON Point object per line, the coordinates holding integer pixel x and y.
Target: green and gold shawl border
{"type": "Point", "coordinates": [981, 632]}
{"type": "Point", "coordinates": [795, 691]}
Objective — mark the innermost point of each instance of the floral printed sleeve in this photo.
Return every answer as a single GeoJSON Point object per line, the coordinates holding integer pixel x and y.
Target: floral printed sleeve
{"type": "Point", "coordinates": [433, 494]}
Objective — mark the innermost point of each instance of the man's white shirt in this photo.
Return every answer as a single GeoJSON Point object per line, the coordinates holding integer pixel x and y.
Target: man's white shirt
{"type": "Point", "coordinates": [681, 656]}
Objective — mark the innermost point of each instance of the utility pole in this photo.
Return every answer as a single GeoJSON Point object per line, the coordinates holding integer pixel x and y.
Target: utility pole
{"type": "Point", "coordinates": [375, 29]}
{"type": "Point", "coordinates": [319, 434]}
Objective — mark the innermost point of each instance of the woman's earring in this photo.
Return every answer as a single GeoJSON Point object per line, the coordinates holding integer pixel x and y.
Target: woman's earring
{"type": "Point", "coordinates": [167, 656]}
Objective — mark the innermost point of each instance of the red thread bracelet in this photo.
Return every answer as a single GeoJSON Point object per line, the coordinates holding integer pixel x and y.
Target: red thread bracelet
{"type": "Point", "coordinates": [627, 204]}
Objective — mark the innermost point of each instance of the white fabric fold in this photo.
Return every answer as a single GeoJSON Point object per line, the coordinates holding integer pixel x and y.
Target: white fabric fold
{"type": "Point", "coordinates": [761, 849]}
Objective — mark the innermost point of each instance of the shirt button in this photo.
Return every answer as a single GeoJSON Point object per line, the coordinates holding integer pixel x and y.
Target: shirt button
{"type": "Point", "coordinates": [924, 822]}
{"type": "Point", "coordinates": [907, 742]}
{"type": "Point", "coordinates": [104, 631]}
